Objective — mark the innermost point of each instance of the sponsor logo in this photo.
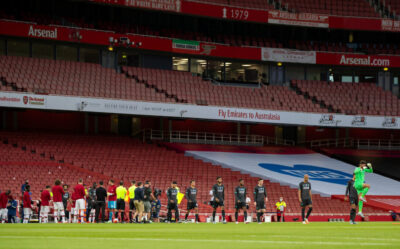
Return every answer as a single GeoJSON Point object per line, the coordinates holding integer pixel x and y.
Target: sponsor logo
{"type": "Point", "coordinates": [390, 25]}
{"type": "Point", "coordinates": [314, 172]}
{"type": "Point", "coordinates": [328, 119]}
{"type": "Point", "coordinates": [359, 121]}
{"type": "Point", "coordinates": [182, 112]}
{"type": "Point", "coordinates": [34, 100]}
{"type": "Point", "coordinates": [288, 55]}
{"type": "Point", "coordinates": [364, 61]}
{"type": "Point", "coordinates": [389, 122]}
{"type": "Point", "coordinates": [42, 33]}
{"type": "Point", "coordinates": [9, 99]}
{"type": "Point", "coordinates": [186, 45]}
{"type": "Point", "coordinates": [207, 49]}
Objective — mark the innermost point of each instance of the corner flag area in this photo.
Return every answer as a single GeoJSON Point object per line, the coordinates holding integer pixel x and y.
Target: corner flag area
{"type": "Point", "coordinates": [273, 235]}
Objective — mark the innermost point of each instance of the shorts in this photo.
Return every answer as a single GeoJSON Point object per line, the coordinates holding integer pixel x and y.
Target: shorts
{"type": "Point", "coordinates": [260, 205]}
{"type": "Point", "coordinates": [131, 205]}
{"type": "Point", "coordinates": [80, 204]}
{"type": "Point", "coordinates": [121, 204]}
{"type": "Point", "coordinates": [58, 206]}
{"type": "Point", "coordinates": [112, 204]}
{"type": "Point", "coordinates": [44, 209]}
{"type": "Point", "coordinates": [147, 206]}
{"type": "Point", "coordinates": [240, 205]}
{"type": "Point", "coordinates": [358, 187]}
{"type": "Point", "coordinates": [191, 205]}
{"type": "Point", "coordinates": [218, 204]}
{"type": "Point", "coordinates": [139, 206]}
{"type": "Point", "coordinates": [27, 211]}
{"type": "Point", "coordinates": [3, 212]}
{"type": "Point", "coordinates": [305, 202]}
{"type": "Point", "coordinates": [155, 214]}
{"type": "Point", "coordinates": [353, 200]}
{"type": "Point", "coordinates": [172, 206]}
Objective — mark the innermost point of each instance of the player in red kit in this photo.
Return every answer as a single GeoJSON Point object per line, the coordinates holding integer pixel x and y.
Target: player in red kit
{"type": "Point", "coordinates": [112, 200]}
{"type": "Point", "coordinates": [72, 212]}
{"type": "Point", "coordinates": [45, 205]}
{"type": "Point", "coordinates": [80, 205]}
{"type": "Point", "coordinates": [3, 205]}
{"type": "Point", "coordinates": [58, 193]}
{"type": "Point", "coordinates": [27, 204]}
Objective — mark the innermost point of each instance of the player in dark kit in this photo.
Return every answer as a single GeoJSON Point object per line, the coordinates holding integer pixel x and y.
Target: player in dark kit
{"type": "Point", "coordinates": [240, 201]}
{"type": "Point", "coordinates": [219, 196]}
{"type": "Point", "coordinates": [191, 196]}
{"type": "Point", "coordinates": [172, 194]}
{"type": "Point", "coordinates": [305, 198]}
{"type": "Point", "coordinates": [260, 197]}
{"type": "Point", "coordinates": [352, 195]}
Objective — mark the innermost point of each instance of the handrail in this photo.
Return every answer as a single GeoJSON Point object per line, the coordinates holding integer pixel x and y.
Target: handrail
{"type": "Point", "coordinates": [212, 138]}
{"type": "Point", "coordinates": [367, 144]}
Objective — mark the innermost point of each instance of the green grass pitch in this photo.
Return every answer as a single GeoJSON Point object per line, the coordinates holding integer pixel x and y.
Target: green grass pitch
{"type": "Point", "coordinates": [192, 236]}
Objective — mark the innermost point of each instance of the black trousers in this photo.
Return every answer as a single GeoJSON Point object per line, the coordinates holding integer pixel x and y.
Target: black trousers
{"type": "Point", "coordinates": [100, 205]}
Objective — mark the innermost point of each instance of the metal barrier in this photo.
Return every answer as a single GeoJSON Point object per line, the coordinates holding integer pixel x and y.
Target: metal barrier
{"type": "Point", "coordinates": [212, 138]}
{"type": "Point", "coordinates": [366, 144]}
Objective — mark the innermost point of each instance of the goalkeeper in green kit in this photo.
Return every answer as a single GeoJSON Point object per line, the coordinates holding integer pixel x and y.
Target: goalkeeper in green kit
{"type": "Point", "coordinates": [361, 187]}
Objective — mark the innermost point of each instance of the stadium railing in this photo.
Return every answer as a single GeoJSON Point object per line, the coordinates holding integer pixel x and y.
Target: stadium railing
{"type": "Point", "coordinates": [212, 138]}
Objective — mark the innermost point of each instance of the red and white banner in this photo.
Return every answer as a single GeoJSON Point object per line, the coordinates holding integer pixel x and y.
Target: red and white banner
{"type": "Point", "coordinates": [288, 55]}
{"type": "Point", "coordinates": [357, 60]}
{"type": "Point", "coordinates": [390, 25]}
{"type": "Point", "coordinates": [298, 19]}
{"type": "Point", "coordinates": [164, 5]}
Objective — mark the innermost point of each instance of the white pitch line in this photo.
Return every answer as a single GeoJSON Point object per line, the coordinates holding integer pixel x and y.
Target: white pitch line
{"type": "Point", "coordinates": [204, 240]}
{"type": "Point", "coordinates": [330, 237]}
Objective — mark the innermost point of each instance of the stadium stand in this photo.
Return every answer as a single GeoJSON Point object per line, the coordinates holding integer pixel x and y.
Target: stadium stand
{"type": "Point", "coordinates": [86, 79]}
{"type": "Point", "coordinates": [193, 90]}
{"type": "Point", "coordinates": [332, 7]}
{"type": "Point", "coordinates": [253, 4]}
{"type": "Point", "coordinates": [250, 37]}
{"type": "Point", "coordinates": [352, 98]}
{"type": "Point", "coordinates": [126, 158]}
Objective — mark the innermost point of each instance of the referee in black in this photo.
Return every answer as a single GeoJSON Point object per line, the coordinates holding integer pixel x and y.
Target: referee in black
{"type": "Point", "coordinates": [352, 195]}
{"type": "Point", "coordinates": [101, 195]}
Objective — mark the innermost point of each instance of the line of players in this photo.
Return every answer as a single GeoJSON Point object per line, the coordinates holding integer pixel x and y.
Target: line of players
{"type": "Point", "coordinates": [139, 197]}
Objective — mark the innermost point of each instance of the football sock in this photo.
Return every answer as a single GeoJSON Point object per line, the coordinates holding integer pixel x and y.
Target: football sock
{"type": "Point", "coordinates": [245, 216]}
{"type": "Point", "coordinates": [214, 215]}
{"type": "Point", "coordinates": [309, 212]}
{"type": "Point", "coordinates": [197, 218]}
{"type": "Point", "coordinates": [236, 216]}
{"type": "Point", "coordinates": [364, 191]}
{"type": "Point", "coordinates": [303, 210]}
{"type": "Point", "coordinates": [186, 216]}
{"type": "Point", "coordinates": [360, 206]}
{"type": "Point", "coordinates": [352, 214]}
{"type": "Point", "coordinates": [223, 214]}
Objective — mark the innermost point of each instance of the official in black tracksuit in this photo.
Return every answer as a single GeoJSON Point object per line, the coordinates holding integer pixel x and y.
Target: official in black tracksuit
{"type": "Point", "coordinates": [352, 195]}
{"type": "Point", "coordinates": [260, 197]}
{"type": "Point", "coordinates": [191, 196]}
{"type": "Point", "coordinates": [240, 200]}
{"type": "Point", "coordinates": [219, 196]}
{"type": "Point", "coordinates": [172, 194]}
